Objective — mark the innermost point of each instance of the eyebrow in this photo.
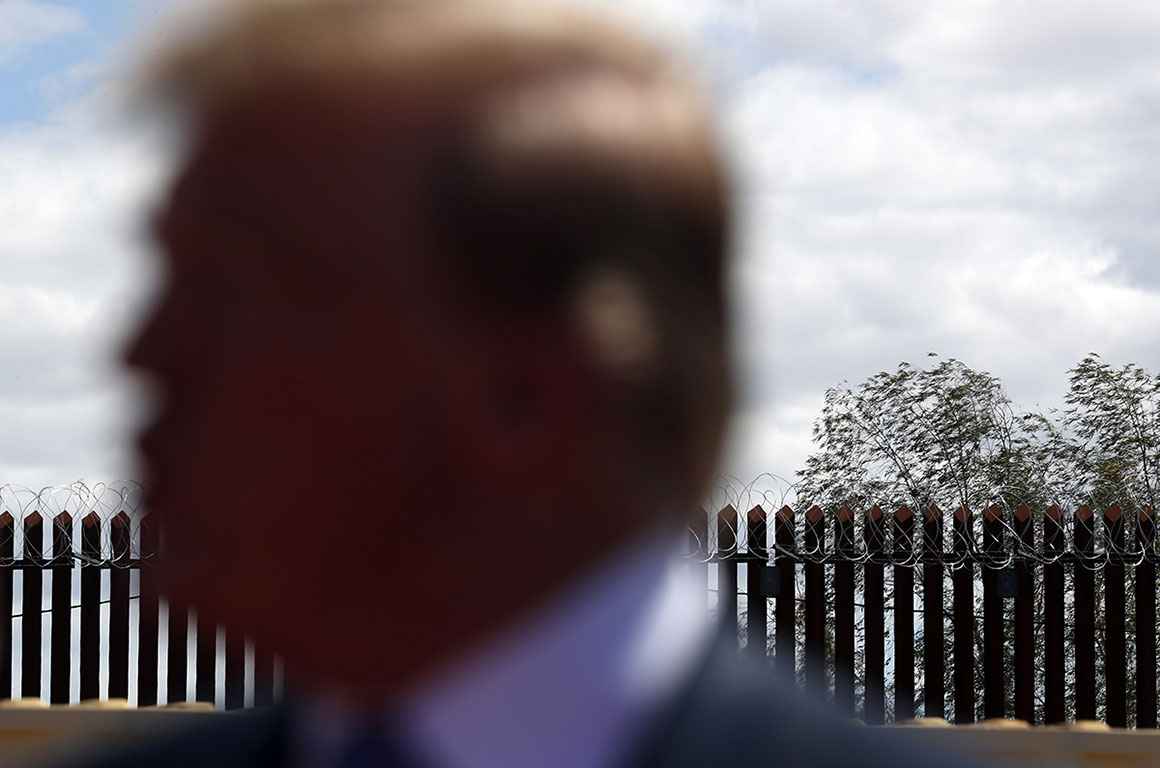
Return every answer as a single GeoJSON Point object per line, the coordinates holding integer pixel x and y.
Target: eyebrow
{"type": "Point", "coordinates": [223, 218]}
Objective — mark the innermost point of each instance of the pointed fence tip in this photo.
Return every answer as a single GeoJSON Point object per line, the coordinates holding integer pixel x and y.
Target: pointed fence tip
{"type": "Point", "coordinates": [814, 514]}
{"type": "Point", "coordinates": [1022, 512]}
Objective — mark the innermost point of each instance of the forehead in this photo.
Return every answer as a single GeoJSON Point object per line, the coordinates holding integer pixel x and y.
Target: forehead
{"type": "Point", "coordinates": [338, 180]}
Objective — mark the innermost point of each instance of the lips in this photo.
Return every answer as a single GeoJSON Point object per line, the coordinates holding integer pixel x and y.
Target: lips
{"type": "Point", "coordinates": [149, 443]}
{"type": "Point", "coordinates": [152, 445]}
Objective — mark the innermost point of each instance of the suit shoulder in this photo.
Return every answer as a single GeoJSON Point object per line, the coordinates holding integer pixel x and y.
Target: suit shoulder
{"type": "Point", "coordinates": [738, 707]}
{"type": "Point", "coordinates": [222, 741]}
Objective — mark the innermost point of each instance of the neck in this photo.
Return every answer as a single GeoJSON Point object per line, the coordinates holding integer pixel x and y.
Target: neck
{"type": "Point", "coordinates": [391, 618]}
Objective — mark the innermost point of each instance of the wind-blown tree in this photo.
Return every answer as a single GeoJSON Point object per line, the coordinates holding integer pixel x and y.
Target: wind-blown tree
{"type": "Point", "coordinates": [947, 435]}
{"type": "Point", "coordinates": [1111, 439]}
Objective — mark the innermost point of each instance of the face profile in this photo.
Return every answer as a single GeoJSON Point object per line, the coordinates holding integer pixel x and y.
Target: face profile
{"type": "Point", "coordinates": [277, 375]}
{"type": "Point", "coordinates": [427, 297]}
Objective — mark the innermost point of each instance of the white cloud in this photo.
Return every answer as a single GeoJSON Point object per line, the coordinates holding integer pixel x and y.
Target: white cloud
{"type": "Point", "coordinates": [71, 279]}
{"type": "Point", "coordinates": [25, 23]}
{"type": "Point", "coordinates": [943, 178]}
{"type": "Point", "coordinates": [973, 178]}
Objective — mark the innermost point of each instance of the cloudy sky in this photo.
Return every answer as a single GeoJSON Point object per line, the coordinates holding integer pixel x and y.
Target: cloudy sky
{"type": "Point", "coordinates": [980, 179]}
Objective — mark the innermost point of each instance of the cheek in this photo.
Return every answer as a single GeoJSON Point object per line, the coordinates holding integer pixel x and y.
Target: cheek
{"type": "Point", "coordinates": [286, 452]}
{"type": "Point", "coordinates": [254, 416]}
{"type": "Point", "coordinates": [243, 468]}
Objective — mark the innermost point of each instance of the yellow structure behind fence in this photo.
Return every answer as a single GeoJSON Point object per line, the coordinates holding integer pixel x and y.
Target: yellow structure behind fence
{"type": "Point", "coordinates": [31, 732]}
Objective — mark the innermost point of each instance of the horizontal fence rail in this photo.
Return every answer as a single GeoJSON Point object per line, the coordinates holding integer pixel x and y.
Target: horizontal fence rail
{"type": "Point", "coordinates": [1044, 616]}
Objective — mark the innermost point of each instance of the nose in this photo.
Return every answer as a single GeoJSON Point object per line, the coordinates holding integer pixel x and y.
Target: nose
{"type": "Point", "coordinates": [148, 348]}
{"type": "Point", "coordinates": [136, 353]}
{"type": "Point", "coordinates": [139, 349]}
{"type": "Point", "coordinates": [132, 352]}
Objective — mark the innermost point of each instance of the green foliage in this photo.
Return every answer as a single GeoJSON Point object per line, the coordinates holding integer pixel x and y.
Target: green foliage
{"type": "Point", "coordinates": [949, 435]}
{"type": "Point", "coordinates": [1112, 420]}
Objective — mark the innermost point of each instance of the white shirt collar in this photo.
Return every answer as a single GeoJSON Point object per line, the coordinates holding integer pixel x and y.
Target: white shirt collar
{"type": "Point", "coordinates": [572, 686]}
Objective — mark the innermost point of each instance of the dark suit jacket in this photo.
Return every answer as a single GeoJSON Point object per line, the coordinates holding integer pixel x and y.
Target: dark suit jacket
{"type": "Point", "coordinates": [731, 712]}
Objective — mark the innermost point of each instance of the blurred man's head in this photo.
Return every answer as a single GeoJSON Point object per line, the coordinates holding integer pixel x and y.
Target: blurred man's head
{"type": "Point", "coordinates": [444, 320]}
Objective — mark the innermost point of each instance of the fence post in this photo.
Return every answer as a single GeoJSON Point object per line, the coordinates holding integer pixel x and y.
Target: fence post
{"type": "Point", "coordinates": [994, 698]}
{"type": "Point", "coordinates": [1085, 621]}
{"type": "Point", "coordinates": [1025, 617]}
{"type": "Point", "coordinates": [1053, 634]}
{"type": "Point", "coordinates": [815, 546]}
{"type": "Point", "coordinates": [903, 546]}
{"type": "Point", "coordinates": [91, 607]}
{"type": "Point", "coordinates": [90, 668]}
{"type": "Point", "coordinates": [727, 571]}
{"type": "Point", "coordinates": [206, 660]}
{"type": "Point", "coordinates": [177, 664]}
{"type": "Point", "coordinates": [7, 553]}
{"type": "Point", "coordinates": [874, 597]}
{"type": "Point", "coordinates": [119, 607]}
{"type": "Point", "coordinates": [59, 650]}
{"type": "Point", "coordinates": [235, 670]}
{"type": "Point", "coordinates": [147, 616]}
{"type": "Point", "coordinates": [263, 677]}
{"type": "Point", "coordinates": [756, 618]}
{"type": "Point", "coordinates": [963, 584]}
{"type": "Point", "coordinates": [934, 687]}
{"type": "Point", "coordinates": [844, 613]}
{"type": "Point", "coordinates": [1146, 620]}
{"type": "Point", "coordinates": [785, 602]}
{"type": "Point", "coordinates": [1115, 655]}
{"type": "Point", "coordinates": [32, 606]}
